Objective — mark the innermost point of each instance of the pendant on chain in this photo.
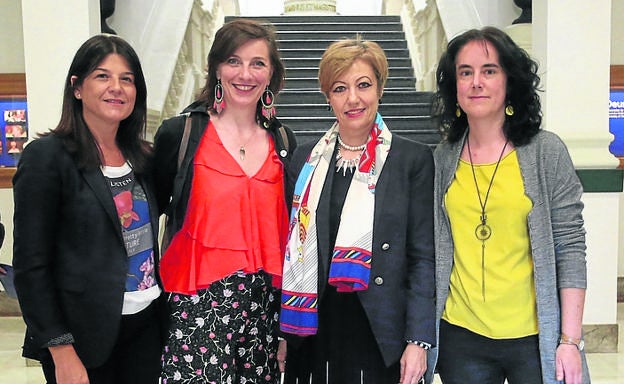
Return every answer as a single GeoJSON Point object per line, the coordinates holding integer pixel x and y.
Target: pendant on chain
{"type": "Point", "coordinates": [483, 231]}
{"type": "Point", "coordinates": [241, 153]}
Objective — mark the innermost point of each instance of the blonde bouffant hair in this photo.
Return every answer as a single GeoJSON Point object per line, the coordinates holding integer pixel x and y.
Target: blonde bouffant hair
{"type": "Point", "coordinates": [341, 54]}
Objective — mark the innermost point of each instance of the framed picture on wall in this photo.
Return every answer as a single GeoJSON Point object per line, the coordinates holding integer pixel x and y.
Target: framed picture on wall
{"type": "Point", "coordinates": [13, 129]}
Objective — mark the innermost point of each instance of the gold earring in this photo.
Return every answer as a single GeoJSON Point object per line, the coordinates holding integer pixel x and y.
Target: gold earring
{"type": "Point", "coordinates": [458, 110]}
{"type": "Point", "coordinates": [509, 111]}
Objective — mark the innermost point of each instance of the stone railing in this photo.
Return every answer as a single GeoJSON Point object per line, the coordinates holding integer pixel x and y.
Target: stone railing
{"type": "Point", "coordinates": [190, 67]}
{"type": "Point", "coordinates": [426, 40]}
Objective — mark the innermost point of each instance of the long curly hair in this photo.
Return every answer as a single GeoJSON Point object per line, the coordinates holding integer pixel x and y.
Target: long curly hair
{"type": "Point", "coordinates": [522, 87]}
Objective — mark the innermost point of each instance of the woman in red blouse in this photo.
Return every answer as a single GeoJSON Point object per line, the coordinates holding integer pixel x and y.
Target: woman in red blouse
{"type": "Point", "coordinates": [227, 212]}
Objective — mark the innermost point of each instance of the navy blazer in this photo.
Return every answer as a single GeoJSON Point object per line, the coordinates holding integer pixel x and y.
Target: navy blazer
{"type": "Point", "coordinates": [69, 256]}
{"type": "Point", "coordinates": [400, 299]}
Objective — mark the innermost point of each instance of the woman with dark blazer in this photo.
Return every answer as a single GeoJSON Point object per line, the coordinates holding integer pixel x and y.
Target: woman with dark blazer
{"type": "Point", "coordinates": [86, 225]}
{"type": "Point", "coordinates": [358, 289]}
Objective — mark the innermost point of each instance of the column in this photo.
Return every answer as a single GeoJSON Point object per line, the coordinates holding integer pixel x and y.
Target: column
{"type": "Point", "coordinates": [53, 31]}
{"type": "Point", "coordinates": [571, 41]}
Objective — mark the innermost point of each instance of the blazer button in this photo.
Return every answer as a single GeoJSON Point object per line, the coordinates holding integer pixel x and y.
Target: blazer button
{"type": "Point", "coordinates": [385, 246]}
{"type": "Point", "coordinates": [378, 280]}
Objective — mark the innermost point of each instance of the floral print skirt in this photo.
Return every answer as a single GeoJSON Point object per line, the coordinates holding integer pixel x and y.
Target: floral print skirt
{"type": "Point", "coordinates": [223, 334]}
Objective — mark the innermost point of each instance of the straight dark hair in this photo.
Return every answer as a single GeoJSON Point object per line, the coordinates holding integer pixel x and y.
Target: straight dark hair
{"type": "Point", "coordinates": [72, 127]}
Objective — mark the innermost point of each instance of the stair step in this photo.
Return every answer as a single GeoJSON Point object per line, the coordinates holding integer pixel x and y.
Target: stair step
{"type": "Point", "coordinates": [322, 19]}
{"type": "Point", "coordinates": [338, 35]}
{"type": "Point", "coordinates": [292, 62]}
{"type": "Point", "coordinates": [340, 26]}
{"type": "Point", "coordinates": [314, 96]}
{"type": "Point", "coordinates": [320, 110]}
{"type": "Point", "coordinates": [312, 72]}
{"type": "Point", "coordinates": [312, 83]}
{"type": "Point", "coordinates": [323, 44]}
{"type": "Point", "coordinates": [302, 52]}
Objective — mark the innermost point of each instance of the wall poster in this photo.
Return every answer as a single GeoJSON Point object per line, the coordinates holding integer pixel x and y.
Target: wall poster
{"type": "Point", "coordinates": [13, 129]}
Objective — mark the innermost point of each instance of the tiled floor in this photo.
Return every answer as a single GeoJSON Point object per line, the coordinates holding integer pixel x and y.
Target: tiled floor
{"type": "Point", "coordinates": [605, 368]}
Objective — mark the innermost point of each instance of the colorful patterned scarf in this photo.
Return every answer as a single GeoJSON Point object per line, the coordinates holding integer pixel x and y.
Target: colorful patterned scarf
{"type": "Point", "coordinates": [352, 255]}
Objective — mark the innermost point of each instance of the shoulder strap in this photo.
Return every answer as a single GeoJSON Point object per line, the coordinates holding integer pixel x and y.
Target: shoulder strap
{"type": "Point", "coordinates": [185, 140]}
{"type": "Point", "coordinates": [284, 135]}
{"type": "Point", "coordinates": [168, 232]}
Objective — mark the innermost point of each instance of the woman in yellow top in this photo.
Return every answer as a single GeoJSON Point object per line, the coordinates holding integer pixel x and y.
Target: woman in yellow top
{"type": "Point", "coordinates": [510, 243]}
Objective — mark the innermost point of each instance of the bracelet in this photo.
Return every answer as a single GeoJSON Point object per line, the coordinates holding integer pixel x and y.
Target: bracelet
{"type": "Point", "coordinates": [421, 344]}
{"type": "Point", "coordinates": [578, 343]}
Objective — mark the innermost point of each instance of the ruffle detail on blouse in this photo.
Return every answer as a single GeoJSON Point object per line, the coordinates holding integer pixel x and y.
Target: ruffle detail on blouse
{"type": "Point", "coordinates": [233, 223]}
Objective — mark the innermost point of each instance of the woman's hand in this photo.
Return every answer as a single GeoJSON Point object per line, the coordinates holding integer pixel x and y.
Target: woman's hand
{"type": "Point", "coordinates": [68, 367]}
{"type": "Point", "coordinates": [413, 364]}
{"type": "Point", "coordinates": [281, 355]}
{"type": "Point", "coordinates": [568, 364]}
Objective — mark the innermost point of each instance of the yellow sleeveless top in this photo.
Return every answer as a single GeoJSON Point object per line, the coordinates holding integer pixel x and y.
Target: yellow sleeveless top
{"type": "Point", "coordinates": [492, 290]}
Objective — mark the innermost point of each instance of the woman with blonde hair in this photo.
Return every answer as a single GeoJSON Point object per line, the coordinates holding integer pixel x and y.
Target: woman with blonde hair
{"type": "Point", "coordinates": [358, 290]}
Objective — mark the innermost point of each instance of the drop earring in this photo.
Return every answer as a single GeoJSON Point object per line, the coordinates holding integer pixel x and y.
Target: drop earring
{"type": "Point", "coordinates": [268, 106]}
{"type": "Point", "coordinates": [458, 110]}
{"type": "Point", "coordinates": [218, 104]}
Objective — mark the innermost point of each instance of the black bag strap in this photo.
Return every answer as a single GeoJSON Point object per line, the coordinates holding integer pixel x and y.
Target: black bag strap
{"type": "Point", "coordinates": [284, 135]}
{"type": "Point", "coordinates": [185, 139]}
{"type": "Point", "coordinates": [168, 232]}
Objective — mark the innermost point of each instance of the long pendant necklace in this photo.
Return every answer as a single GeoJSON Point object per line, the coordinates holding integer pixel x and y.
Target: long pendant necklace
{"type": "Point", "coordinates": [483, 230]}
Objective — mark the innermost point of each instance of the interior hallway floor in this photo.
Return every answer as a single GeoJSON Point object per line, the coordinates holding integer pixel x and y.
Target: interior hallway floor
{"type": "Point", "coordinates": [605, 368]}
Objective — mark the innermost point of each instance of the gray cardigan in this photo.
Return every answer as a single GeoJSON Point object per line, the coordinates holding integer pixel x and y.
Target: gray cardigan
{"type": "Point", "coordinates": [556, 234]}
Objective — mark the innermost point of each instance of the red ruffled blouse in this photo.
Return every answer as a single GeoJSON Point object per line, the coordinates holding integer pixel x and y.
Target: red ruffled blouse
{"type": "Point", "coordinates": [234, 222]}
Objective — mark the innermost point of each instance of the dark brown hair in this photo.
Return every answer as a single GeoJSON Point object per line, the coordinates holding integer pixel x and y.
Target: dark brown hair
{"type": "Point", "coordinates": [229, 38]}
{"type": "Point", "coordinates": [521, 93]}
{"type": "Point", "coordinates": [73, 129]}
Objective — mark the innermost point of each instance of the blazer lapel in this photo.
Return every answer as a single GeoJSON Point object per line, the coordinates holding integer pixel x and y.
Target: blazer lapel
{"type": "Point", "coordinates": [96, 181]}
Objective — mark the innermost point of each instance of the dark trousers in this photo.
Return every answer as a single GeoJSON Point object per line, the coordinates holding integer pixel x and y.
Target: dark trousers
{"type": "Point", "coordinates": [466, 357]}
{"type": "Point", "coordinates": [136, 356]}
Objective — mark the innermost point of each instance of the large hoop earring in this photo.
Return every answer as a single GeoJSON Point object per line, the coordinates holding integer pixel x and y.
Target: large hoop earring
{"type": "Point", "coordinates": [268, 106]}
{"type": "Point", "coordinates": [218, 104]}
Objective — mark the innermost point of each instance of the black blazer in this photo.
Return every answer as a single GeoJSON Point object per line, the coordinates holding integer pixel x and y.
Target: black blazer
{"type": "Point", "coordinates": [69, 256]}
{"type": "Point", "coordinates": [400, 299]}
